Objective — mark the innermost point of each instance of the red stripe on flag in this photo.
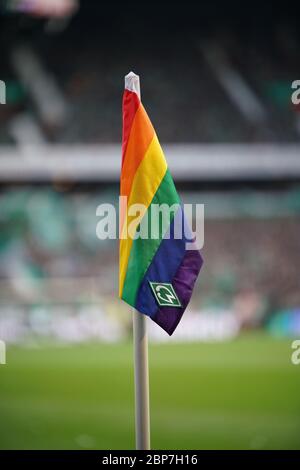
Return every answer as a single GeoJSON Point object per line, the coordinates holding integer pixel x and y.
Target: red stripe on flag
{"type": "Point", "coordinates": [131, 103]}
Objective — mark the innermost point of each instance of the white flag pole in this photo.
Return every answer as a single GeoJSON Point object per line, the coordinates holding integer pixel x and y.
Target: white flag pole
{"type": "Point", "coordinates": [141, 379]}
{"type": "Point", "coordinates": [140, 344]}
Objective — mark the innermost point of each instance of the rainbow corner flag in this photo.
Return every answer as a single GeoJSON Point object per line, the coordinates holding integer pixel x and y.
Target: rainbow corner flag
{"type": "Point", "coordinates": [157, 273]}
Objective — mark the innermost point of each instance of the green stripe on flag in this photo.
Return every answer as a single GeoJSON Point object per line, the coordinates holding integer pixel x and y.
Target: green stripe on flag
{"type": "Point", "coordinates": [142, 250]}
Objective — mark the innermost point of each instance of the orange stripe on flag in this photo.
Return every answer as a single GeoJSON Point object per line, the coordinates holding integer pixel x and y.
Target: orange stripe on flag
{"type": "Point", "coordinates": [140, 137]}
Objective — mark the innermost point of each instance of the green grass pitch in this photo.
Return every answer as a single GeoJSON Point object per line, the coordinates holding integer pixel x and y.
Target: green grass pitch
{"type": "Point", "coordinates": [243, 394]}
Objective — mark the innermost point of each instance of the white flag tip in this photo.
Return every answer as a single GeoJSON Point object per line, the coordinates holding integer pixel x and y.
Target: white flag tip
{"type": "Point", "coordinates": [132, 83]}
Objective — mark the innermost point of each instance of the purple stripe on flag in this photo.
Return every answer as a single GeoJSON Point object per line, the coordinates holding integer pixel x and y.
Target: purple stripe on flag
{"type": "Point", "coordinates": [183, 283]}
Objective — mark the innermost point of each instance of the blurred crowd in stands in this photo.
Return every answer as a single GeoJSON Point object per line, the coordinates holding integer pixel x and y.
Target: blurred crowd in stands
{"type": "Point", "coordinates": [204, 79]}
{"type": "Point", "coordinates": [52, 265]}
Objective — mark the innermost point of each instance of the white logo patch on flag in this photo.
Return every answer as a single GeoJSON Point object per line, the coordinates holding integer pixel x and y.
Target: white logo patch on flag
{"type": "Point", "coordinates": [165, 294]}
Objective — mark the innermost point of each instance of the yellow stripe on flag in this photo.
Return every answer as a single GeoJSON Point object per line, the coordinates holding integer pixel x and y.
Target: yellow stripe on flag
{"type": "Point", "coordinates": [146, 181]}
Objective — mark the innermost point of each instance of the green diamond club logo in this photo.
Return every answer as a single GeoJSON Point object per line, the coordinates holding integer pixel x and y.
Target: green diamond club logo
{"type": "Point", "coordinates": [165, 294]}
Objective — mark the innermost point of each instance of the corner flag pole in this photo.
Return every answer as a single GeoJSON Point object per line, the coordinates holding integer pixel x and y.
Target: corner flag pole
{"type": "Point", "coordinates": [140, 341]}
{"type": "Point", "coordinates": [141, 379]}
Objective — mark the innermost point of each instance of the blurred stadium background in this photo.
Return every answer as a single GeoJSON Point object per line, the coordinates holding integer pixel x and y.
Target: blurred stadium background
{"type": "Point", "coordinates": [216, 80]}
